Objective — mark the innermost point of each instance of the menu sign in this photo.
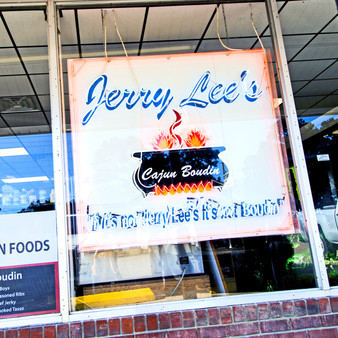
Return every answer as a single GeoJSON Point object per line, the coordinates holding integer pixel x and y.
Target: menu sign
{"type": "Point", "coordinates": [28, 290]}
{"type": "Point", "coordinates": [29, 268]}
{"type": "Point", "coordinates": [175, 149]}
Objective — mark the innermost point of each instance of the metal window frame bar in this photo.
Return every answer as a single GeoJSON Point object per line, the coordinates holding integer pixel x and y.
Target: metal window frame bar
{"type": "Point", "coordinates": [296, 145]}
{"type": "Point", "coordinates": [79, 4]}
{"type": "Point", "coordinates": [62, 4]}
{"type": "Point", "coordinates": [55, 78]}
{"type": "Point", "coordinates": [56, 98]}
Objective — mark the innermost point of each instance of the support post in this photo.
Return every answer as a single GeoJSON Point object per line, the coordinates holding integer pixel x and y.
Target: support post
{"type": "Point", "coordinates": [296, 145]}
{"type": "Point", "coordinates": [55, 78]}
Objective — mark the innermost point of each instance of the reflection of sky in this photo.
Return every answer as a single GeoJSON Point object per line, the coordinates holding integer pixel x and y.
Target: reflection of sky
{"type": "Point", "coordinates": [38, 162]}
{"type": "Point", "coordinates": [70, 166]}
{"type": "Point", "coordinates": [317, 121]}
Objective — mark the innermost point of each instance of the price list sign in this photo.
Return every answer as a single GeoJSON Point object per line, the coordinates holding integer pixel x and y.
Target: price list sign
{"type": "Point", "coordinates": [28, 290]}
{"type": "Point", "coordinates": [28, 265]}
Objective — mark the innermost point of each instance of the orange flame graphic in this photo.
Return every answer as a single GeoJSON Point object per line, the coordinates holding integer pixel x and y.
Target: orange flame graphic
{"type": "Point", "coordinates": [207, 186]}
{"type": "Point", "coordinates": [195, 139]}
{"type": "Point", "coordinates": [163, 141]}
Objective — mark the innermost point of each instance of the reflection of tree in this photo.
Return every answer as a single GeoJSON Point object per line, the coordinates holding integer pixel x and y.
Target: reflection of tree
{"type": "Point", "coordinates": [319, 137]}
{"type": "Point", "coordinates": [321, 140]}
{"type": "Point", "coordinates": [260, 264]}
{"type": "Point", "coordinates": [38, 206]}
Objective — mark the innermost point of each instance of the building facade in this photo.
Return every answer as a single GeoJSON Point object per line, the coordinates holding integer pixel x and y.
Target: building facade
{"type": "Point", "coordinates": [168, 168]}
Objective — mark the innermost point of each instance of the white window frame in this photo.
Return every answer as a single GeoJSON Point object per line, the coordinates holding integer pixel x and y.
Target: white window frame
{"type": "Point", "coordinates": [59, 156]}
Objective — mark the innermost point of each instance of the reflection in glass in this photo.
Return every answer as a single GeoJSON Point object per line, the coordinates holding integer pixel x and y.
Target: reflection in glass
{"type": "Point", "coordinates": [319, 135]}
{"type": "Point", "coordinates": [192, 271]}
{"type": "Point", "coordinates": [26, 173]}
{"type": "Point", "coordinates": [28, 247]}
{"type": "Point", "coordinates": [179, 271]}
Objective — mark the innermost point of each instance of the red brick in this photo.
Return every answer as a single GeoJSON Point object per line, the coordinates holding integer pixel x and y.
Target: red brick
{"type": "Point", "coordinates": [186, 333]}
{"type": "Point", "coordinates": [298, 334]}
{"type": "Point", "coordinates": [152, 322]}
{"type": "Point", "coordinates": [263, 311]}
{"type": "Point", "coordinates": [101, 328]}
{"type": "Point", "coordinates": [214, 332]}
{"type": "Point", "coordinates": [238, 313]}
{"type": "Point", "coordinates": [330, 320]}
{"type": "Point", "coordinates": [323, 333]}
{"type": "Point", "coordinates": [164, 321]}
{"type": "Point", "coordinates": [275, 310]}
{"type": "Point", "coordinates": [324, 305]}
{"type": "Point", "coordinates": [251, 312]}
{"type": "Point", "coordinates": [226, 315]}
{"type": "Point", "coordinates": [334, 304]}
{"type": "Point", "coordinates": [300, 308]}
{"type": "Point", "coordinates": [11, 333]}
{"type": "Point", "coordinates": [114, 326]}
{"type": "Point", "coordinates": [49, 331]}
{"type": "Point", "coordinates": [265, 336]}
{"type": "Point", "coordinates": [213, 315]}
{"type": "Point", "coordinates": [89, 329]}
{"type": "Point", "coordinates": [142, 335]}
{"type": "Point", "coordinates": [188, 319]}
{"type": "Point", "coordinates": [2, 334]}
{"type": "Point", "coordinates": [139, 324]}
{"type": "Point", "coordinates": [243, 329]}
{"type": "Point", "coordinates": [75, 330]}
{"type": "Point", "coordinates": [24, 333]}
{"type": "Point", "coordinates": [157, 335]}
{"type": "Point", "coordinates": [176, 320]}
{"type": "Point", "coordinates": [275, 325]}
{"type": "Point", "coordinates": [62, 331]}
{"type": "Point", "coordinates": [36, 332]}
{"type": "Point", "coordinates": [287, 309]}
{"type": "Point", "coordinates": [126, 325]}
{"type": "Point", "coordinates": [201, 317]}
{"type": "Point", "coordinates": [305, 322]}
{"type": "Point", "coordinates": [312, 306]}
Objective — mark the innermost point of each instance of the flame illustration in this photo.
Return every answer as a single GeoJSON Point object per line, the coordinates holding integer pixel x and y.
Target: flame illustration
{"type": "Point", "coordinates": [163, 141]}
{"type": "Point", "coordinates": [167, 141]}
{"type": "Point", "coordinates": [172, 189]}
{"type": "Point", "coordinates": [195, 139]}
{"type": "Point", "coordinates": [178, 121]}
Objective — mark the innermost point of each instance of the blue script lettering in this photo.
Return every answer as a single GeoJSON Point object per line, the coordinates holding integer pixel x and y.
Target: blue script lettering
{"type": "Point", "coordinates": [97, 96]}
{"type": "Point", "coordinates": [201, 85]}
{"type": "Point", "coordinates": [220, 92]}
{"type": "Point", "coordinates": [201, 95]}
{"type": "Point", "coordinates": [251, 92]}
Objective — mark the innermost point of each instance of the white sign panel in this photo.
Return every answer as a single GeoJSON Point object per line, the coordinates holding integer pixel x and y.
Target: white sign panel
{"type": "Point", "coordinates": [28, 239]}
{"type": "Point", "coordinates": [176, 149]}
{"type": "Point", "coordinates": [323, 157]}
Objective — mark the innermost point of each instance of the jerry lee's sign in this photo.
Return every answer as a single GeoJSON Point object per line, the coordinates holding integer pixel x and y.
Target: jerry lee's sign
{"type": "Point", "coordinates": [175, 149]}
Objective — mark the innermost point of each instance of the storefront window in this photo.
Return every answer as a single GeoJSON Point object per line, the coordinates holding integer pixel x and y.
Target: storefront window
{"type": "Point", "coordinates": [180, 180]}
{"type": "Point", "coordinates": [182, 236]}
{"type": "Point", "coordinates": [314, 68]}
{"type": "Point", "coordinates": [28, 245]}
{"type": "Point", "coordinates": [321, 157]}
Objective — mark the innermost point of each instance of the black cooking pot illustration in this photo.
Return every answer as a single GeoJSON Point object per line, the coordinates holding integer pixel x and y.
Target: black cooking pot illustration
{"type": "Point", "coordinates": [180, 170]}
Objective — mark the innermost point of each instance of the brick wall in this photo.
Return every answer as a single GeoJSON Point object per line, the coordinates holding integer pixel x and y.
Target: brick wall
{"type": "Point", "coordinates": [304, 318]}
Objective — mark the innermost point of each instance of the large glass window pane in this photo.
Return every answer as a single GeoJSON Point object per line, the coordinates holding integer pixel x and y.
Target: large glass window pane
{"type": "Point", "coordinates": [313, 67]}
{"type": "Point", "coordinates": [321, 157]}
{"type": "Point", "coordinates": [28, 245]}
{"type": "Point", "coordinates": [228, 241]}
